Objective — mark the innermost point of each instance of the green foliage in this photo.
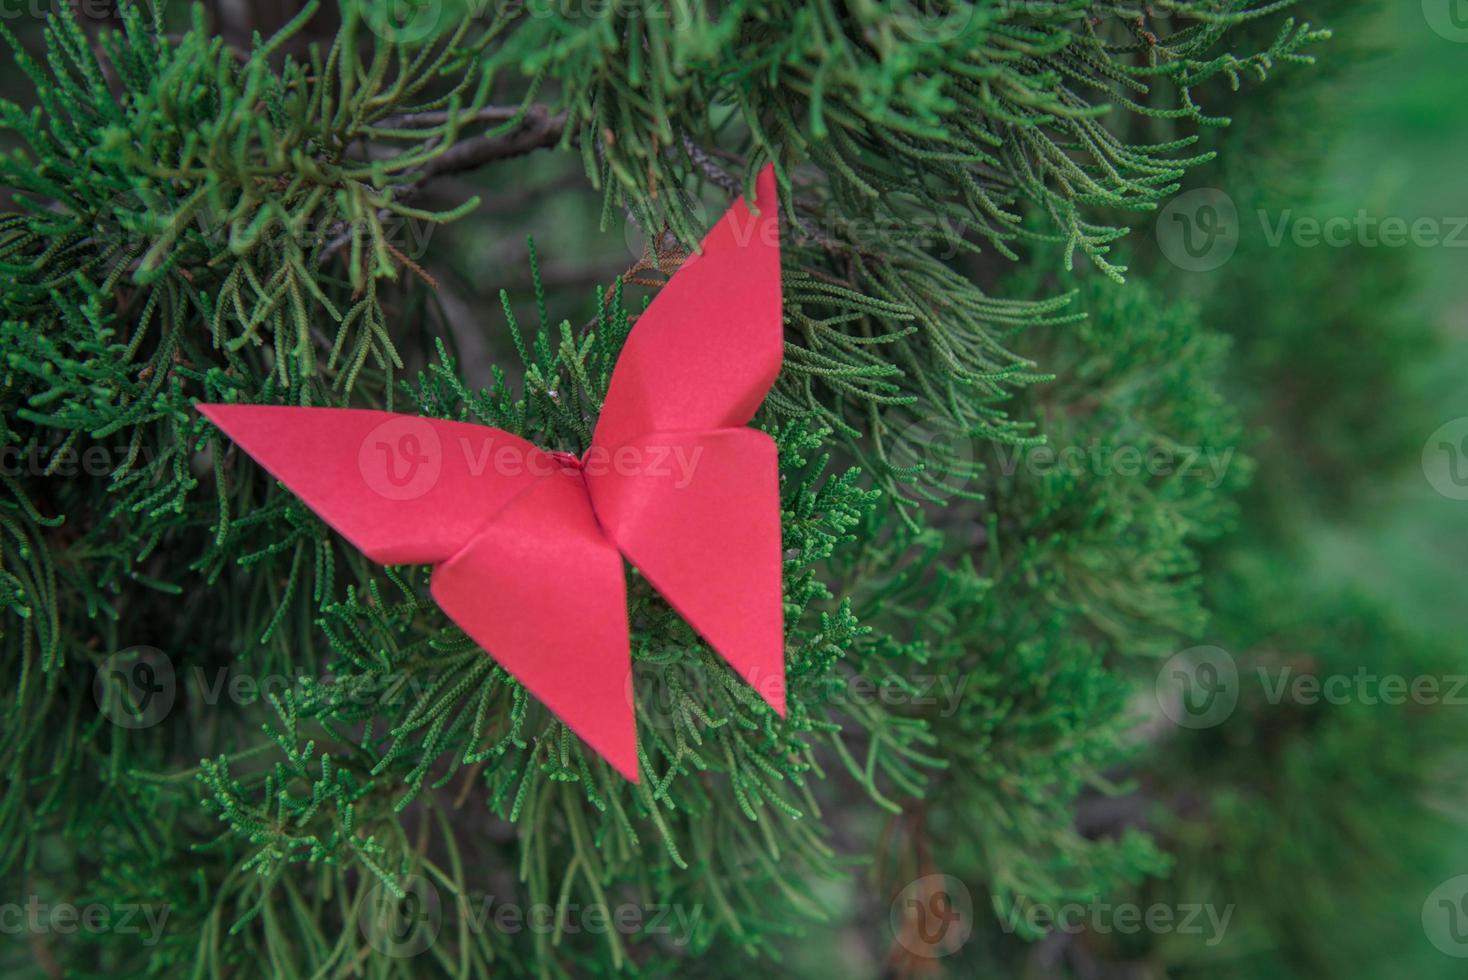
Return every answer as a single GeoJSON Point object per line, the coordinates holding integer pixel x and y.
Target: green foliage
{"type": "Point", "coordinates": [230, 167]}
{"type": "Point", "coordinates": [1324, 825]}
{"type": "Point", "coordinates": [340, 794]}
{"type": "Point", "coordinates": [902, 144]}
{"type": "Point", "coordinates": [981, 572]}
{"type": "Point", "coordinates": [1325, 821]}
{"type": "Point", "coordinates": [905, 137]}
{"type": "Point", "coordinates": [1092, 576]}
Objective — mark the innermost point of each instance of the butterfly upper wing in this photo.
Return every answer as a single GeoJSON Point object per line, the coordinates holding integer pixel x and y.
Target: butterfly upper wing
{"type": "Point", "coordinates": [543, 590]}
{"type": "Point", "coordinates": [694, 369]}
{"type": "Point", "coordinates": [403, 489]}
{"type": "Point", "coordinates": [705, 353]}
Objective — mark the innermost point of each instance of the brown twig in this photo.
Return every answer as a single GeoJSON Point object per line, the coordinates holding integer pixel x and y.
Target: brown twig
{"type": "Point", "coordinates": [537, 130]}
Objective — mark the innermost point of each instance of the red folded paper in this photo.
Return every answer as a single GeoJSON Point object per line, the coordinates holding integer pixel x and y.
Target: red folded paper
{"type": "Point", "coordinates": [528, 544]}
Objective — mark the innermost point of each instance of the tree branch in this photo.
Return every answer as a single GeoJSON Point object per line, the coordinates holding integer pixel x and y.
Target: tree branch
{"type": "Point", "coordinates": [537, 130]}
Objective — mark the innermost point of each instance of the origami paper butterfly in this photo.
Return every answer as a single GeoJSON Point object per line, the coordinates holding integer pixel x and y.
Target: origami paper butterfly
{"type": "Point", "coordinates": [528, 544]}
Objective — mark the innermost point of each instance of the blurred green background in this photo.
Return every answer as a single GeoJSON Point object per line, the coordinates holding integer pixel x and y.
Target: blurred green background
{"type": "Point", "coordinates": [1348, 360]}
{"type": "Point", "coordinates": [1405, 152]}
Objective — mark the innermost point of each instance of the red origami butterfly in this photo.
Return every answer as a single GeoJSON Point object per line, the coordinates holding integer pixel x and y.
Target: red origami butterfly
{"type": "Point", "coordinates": [528, 544]}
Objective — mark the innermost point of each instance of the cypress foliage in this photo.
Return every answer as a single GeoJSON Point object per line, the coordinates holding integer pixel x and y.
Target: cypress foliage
{"type": "Point", "coordinates": [977, 581]}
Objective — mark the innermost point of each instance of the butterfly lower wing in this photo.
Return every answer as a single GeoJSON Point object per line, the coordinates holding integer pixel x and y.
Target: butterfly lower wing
{"type": "Point", "coordinates": [543, 591]}
{"type": "Point", "coordinates": [704, 354]}
{"type": "Point", "coordinates": [698, 513]}
{"type": "Point", "coordinates": [403, 489]}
